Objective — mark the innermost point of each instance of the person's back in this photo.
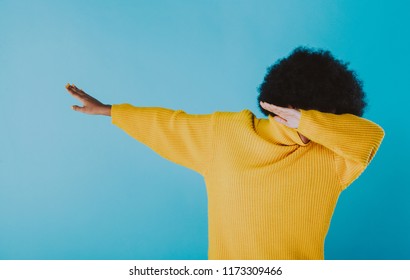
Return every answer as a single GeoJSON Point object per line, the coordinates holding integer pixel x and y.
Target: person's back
{"type": "Point", "coordinates": [273, 183]}
{"type": "Point", "coordinates": [270, 196]}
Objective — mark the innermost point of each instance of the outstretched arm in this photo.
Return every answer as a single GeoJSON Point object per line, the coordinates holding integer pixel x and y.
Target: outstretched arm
{"type": "Point", "coordinates": [179, 137]}
{"type": "Point", "coordinates": [91, 105]}
{"type": "Point", "coordinates": [185, 139]}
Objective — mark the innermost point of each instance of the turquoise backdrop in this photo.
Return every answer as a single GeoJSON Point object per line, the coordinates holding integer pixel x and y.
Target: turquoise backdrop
{"type": "Point", "coordinates": [74, 186]}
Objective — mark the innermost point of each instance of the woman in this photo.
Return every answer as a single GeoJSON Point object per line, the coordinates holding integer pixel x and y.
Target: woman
{"type": "Point", "coordinates": [273, 183]}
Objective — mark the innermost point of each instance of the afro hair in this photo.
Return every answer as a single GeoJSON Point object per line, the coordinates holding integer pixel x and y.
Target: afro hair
{"type": "Point", "coordinates": [312, 79]}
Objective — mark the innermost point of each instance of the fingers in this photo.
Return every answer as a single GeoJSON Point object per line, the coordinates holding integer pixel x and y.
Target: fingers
{"type": "Point", "coordinates": [75, 92]}
{"type": "Point", "coordinates": [280, 120]}
{"type": "Point", "coordinates": [287, 116]}
{"type": "Point", "coordinates": [78, 108]}
{"type": "Point", "coordinates": [81, 95]}
{"type": "Point", "coordinates": [78, 94]}
{"type": "Point", "coordinates": [280, 111]}
{"type": "Point", "coordinates": [90, 105]}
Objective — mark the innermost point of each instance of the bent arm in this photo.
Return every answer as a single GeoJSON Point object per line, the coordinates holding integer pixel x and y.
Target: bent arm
{"type": "Point", "coordinates": [354, 140]}
{"type": "Point", "coordinates": [182, 138]}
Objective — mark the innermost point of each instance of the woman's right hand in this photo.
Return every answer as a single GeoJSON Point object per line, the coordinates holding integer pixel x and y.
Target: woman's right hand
{"type": "Point", "coordinates": [91, 105]}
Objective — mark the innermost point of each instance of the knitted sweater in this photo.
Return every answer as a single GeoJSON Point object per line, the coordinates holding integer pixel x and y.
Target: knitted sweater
{"type": "Point", "coordinates": [270, 196]}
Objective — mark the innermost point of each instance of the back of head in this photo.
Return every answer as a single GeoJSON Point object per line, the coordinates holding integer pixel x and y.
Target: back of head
{"type": "Point", "coordinates": [312, 79]}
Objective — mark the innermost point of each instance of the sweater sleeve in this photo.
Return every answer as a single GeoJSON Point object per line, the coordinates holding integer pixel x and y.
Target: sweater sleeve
{"type": "Point", "coordinates": [354, 140]}
{"type": "Point", "coordinates": [179, 137]}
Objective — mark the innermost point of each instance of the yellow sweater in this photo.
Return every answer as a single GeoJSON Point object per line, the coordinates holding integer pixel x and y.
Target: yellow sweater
{"type": "Point", "coordinates": [270, 196]}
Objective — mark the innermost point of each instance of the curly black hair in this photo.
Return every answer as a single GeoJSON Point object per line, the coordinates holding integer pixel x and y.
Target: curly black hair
{"type": "Point", "coordinates": [312, 79]}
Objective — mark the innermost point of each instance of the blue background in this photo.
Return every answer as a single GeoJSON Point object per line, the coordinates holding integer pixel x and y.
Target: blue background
{"type": "Point", "coordinates": [73, 186]}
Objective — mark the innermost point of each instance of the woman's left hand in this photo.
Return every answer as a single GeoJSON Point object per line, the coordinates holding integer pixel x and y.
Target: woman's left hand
{"type": "Point", "coordinates": [287, 116]}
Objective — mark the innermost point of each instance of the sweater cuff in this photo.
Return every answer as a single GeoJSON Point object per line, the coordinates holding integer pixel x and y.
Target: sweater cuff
{"type": "Point", "coordinates": [311, 124]}
{"type": "Point", "coordinates": [304, 122]}
{"type": "Point", "coordinates": [117, 111]}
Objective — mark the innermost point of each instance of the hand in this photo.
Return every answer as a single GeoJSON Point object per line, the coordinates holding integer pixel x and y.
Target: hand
{"type": "Point", "coordinates": [287, 116]}
{"type": "Point", "coordinates": [90, 105]}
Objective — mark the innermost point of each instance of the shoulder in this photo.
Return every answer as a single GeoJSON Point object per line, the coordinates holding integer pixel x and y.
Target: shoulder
{"type": "Point", "coordinates": [243, 115]}
{"type": "Point", "coordinates": [235, 121]}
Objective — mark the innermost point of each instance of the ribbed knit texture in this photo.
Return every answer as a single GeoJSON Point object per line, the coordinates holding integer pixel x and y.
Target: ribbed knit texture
{"type": "Point", "coordinates": [270, 196]}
